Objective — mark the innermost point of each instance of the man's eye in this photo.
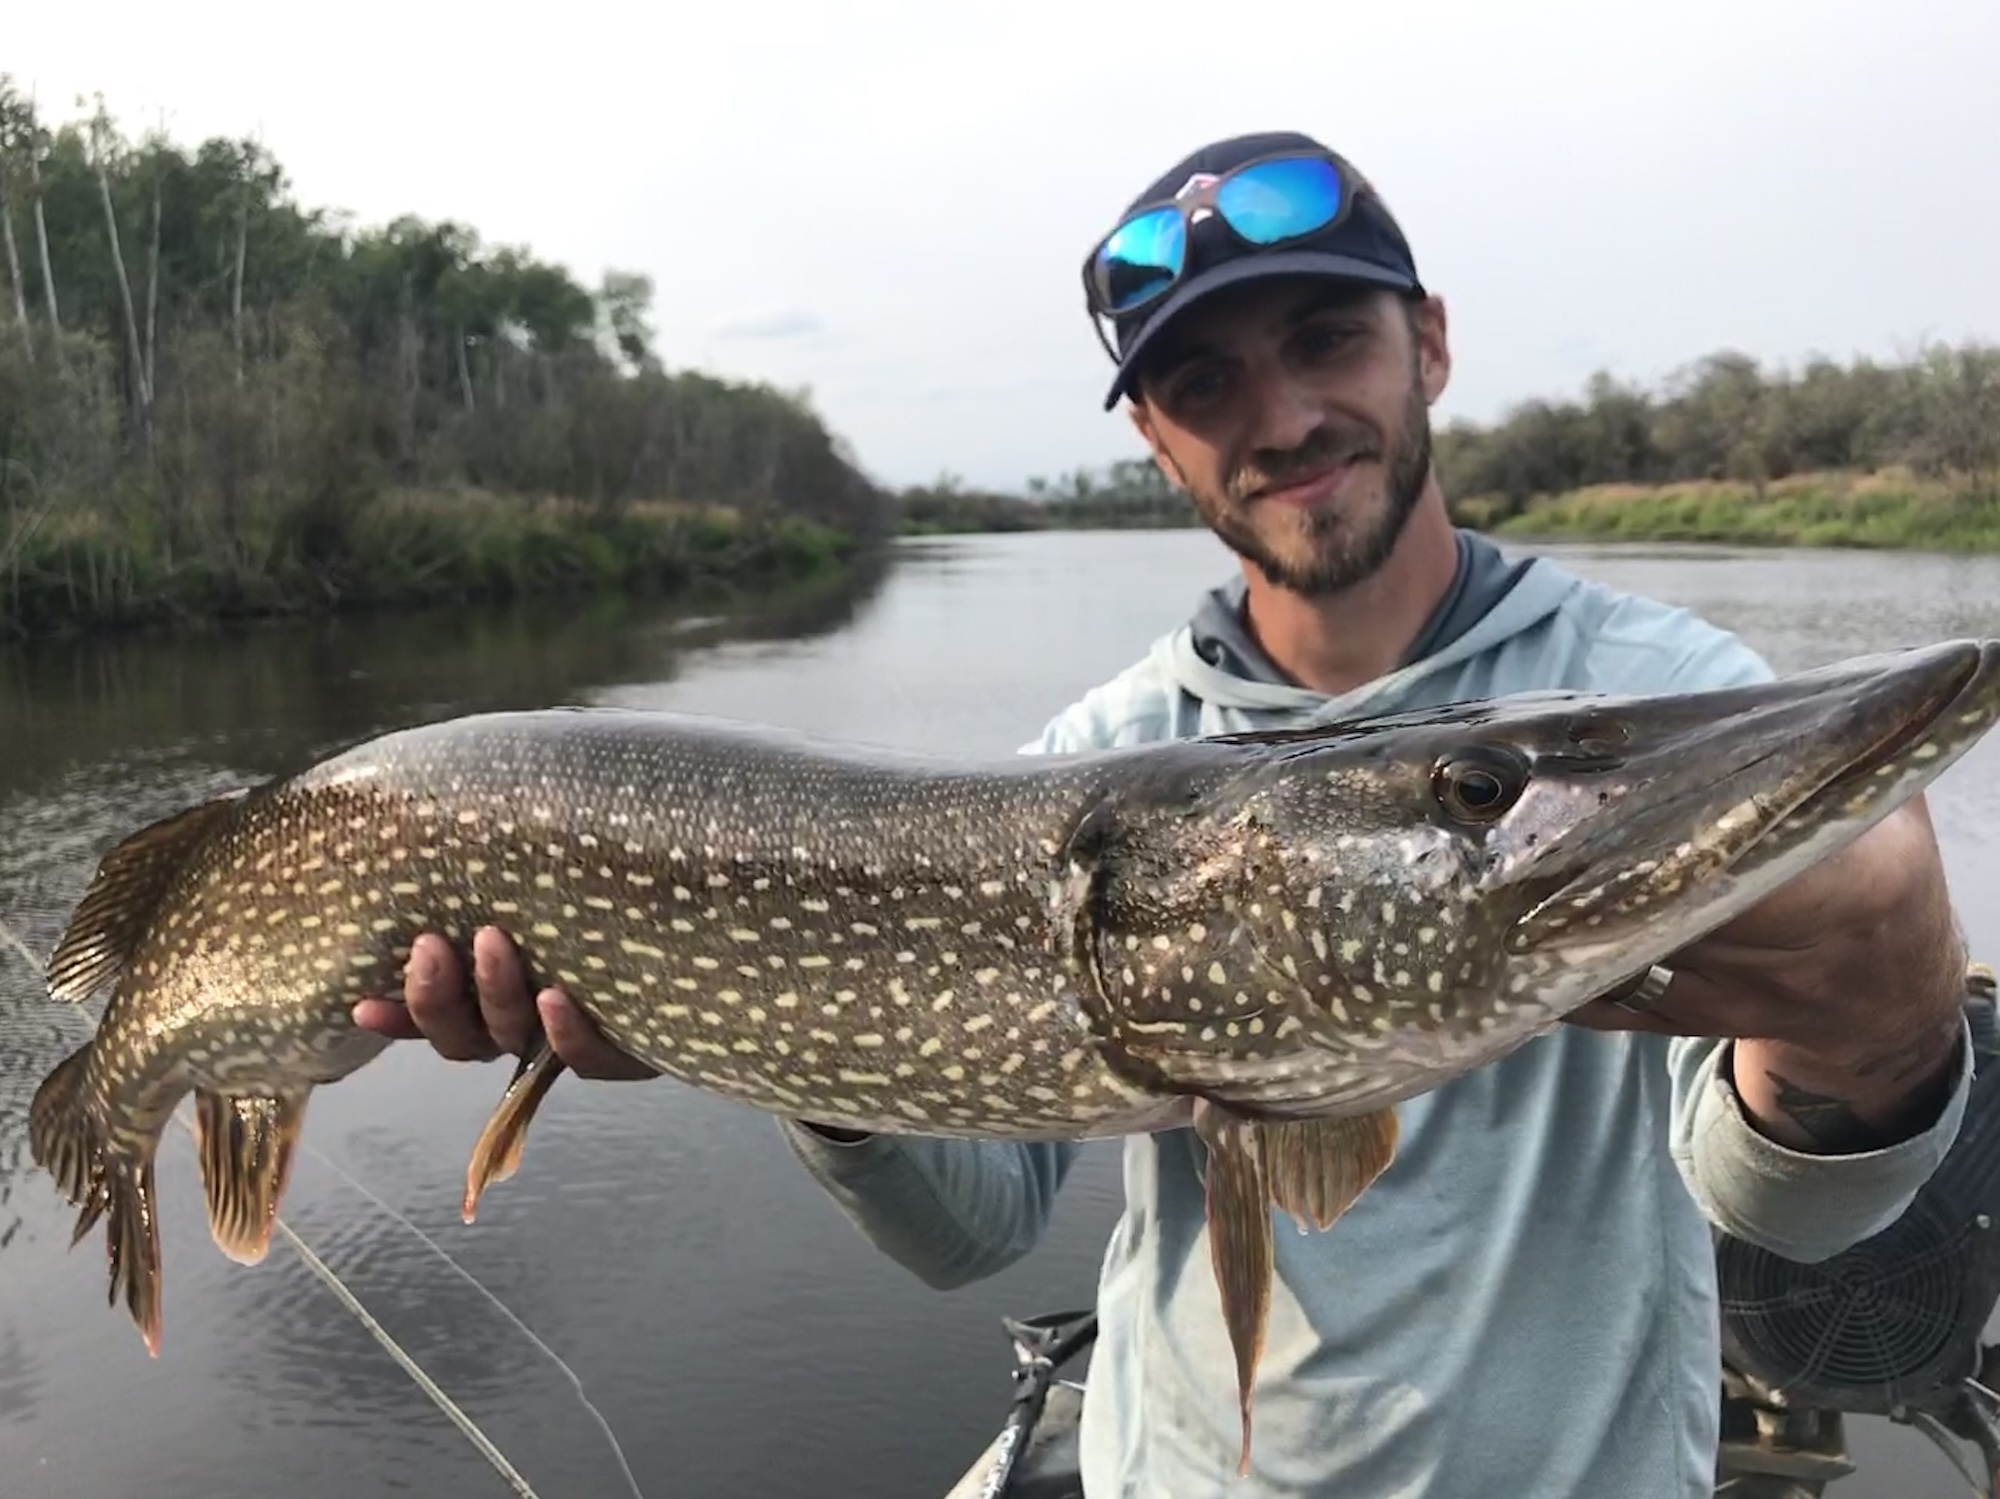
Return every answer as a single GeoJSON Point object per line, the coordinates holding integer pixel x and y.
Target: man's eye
{"type": "Point", "coordinates": [1199, 386]}
{"type": "Point", "coordinates": [1323, 338]}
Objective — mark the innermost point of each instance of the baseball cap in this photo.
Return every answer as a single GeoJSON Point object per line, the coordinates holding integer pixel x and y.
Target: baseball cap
{"type": "Point", "coordinates": [1366, 245]}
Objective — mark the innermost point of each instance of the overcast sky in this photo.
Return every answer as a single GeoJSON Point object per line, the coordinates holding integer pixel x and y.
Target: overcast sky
{"type": "Point", "coordinates": [888, 201]}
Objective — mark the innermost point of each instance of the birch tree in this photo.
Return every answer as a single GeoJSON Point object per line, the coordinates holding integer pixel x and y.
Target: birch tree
{"type": "Point", "coordinates": [104, 149]}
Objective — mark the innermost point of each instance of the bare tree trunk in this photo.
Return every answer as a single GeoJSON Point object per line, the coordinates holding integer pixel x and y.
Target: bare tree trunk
{"type": "Point", "coordinates": [48, 269]}
{"type": "Point", "coordinates": [464, 373]}
{"type": "Point", "coordinates": [410, 354]}
{"type": "Point", "coordinates": [236, 276]}
{"type": "Point", "coordinates": [142, 396]}
{"type": "Point", "coordinates": [14, 266]}
{"type": "Point", "coordinates": [153, 279]}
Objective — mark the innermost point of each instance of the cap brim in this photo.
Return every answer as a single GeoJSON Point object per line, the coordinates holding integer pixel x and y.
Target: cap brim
{"type": "Point", "coordinates": [1250, 268]}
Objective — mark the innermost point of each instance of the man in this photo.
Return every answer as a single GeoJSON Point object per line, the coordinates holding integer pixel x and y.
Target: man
{"type": "Point", "coordinates": [1524, 1303]}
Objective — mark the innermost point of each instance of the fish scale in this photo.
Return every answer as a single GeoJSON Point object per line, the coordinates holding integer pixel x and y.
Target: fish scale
{"type": "Point", "coordinates": [780, 961]}
{"type": "Point", "coordinates": [1273, 937]}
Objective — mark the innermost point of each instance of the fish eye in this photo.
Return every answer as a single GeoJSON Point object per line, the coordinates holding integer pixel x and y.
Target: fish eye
{"type": "Point", "coordinates": [1479, 785]}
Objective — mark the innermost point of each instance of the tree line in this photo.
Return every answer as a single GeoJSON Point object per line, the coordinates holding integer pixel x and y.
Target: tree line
{"type": "Point", "coordinates": [1935, 415]}
{"type": "Point", "coordinates": [1932, 418]}
{"type": "Point", "coordinates": [1128, 494]}
{"type": "Point", "coordinates": [213, 398]}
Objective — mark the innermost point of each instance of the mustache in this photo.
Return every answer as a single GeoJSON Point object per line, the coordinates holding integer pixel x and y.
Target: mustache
{"type": "Point", "coordinates": [1325, 447]}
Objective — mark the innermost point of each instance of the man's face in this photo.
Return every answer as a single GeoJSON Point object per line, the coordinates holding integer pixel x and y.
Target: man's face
{"type": "Point", "coordinates": [1296, 415]}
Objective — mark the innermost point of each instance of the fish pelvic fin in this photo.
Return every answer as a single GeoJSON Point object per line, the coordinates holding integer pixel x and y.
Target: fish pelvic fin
{"type": "Point", "coordinates": [1318, 1167]}
{"type": "Point", "coordinates": [130, 882]}
{"type": "Point", "coordinates": [1240, 1241]}
{"type": "Point", "coordinates": [69, 1140]}
{"type": "Point", "coordinates": [496, 1155]}
{"type": "Point", "coordinates": [1313, 1169]}
{"type": "Point", "coordinates": [245, 1146]}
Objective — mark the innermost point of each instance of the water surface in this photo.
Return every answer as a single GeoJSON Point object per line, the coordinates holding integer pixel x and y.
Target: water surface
{"type": "Point", "coordinates": [736, 1334]}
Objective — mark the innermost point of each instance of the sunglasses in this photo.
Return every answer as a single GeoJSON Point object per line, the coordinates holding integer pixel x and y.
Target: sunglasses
{"type": "Point", "coordinates": [1264, 203]}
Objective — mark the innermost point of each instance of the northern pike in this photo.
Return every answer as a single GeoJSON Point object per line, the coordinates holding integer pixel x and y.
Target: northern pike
{"type": "Point", "coordinates": [1274, 936]}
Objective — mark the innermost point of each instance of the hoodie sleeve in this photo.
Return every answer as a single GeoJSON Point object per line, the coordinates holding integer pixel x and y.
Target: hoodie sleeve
{"type": "Point", "coordinates": [949, 1211]}
{"type": "Point", "coordinates": [1802, 1206]}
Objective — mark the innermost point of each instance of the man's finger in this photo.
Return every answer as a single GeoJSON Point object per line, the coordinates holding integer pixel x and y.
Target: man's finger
{"type": "Point", "coordinates": [1606, 1015]}
{"type": "Point", "coordinates": [386, 1017]}
{"type": "Point", "coordinates": [1665, 1003]}
{"type": "Point", "coordinates": [434, 990]}
{"type": "Point", "coordinates": [1639, 1005]}
{"type": "Point", "coordinates": [505, 1004]}
{"type": "Point", "coordinates": [581, 1044]}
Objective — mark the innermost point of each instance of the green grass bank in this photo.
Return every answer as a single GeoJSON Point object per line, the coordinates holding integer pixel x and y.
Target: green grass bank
{"type": "Point", "coordinates": [1891, 509]}
{"type": "Point", "coordinates": [80, 570]}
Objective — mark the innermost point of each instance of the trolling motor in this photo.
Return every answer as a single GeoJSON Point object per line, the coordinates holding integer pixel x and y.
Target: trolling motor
{"type": "Point", "coordinates": [1892, 1327]}
{"type": "Point", "coordinates": [1035, 1456]}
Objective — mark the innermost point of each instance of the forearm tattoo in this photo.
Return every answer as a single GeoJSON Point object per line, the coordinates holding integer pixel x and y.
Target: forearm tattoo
{"type": "Point", "coordinates": [1828, 1121]}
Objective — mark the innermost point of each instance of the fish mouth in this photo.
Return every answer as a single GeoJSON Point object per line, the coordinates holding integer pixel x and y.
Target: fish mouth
{"type": "Point", "coordinates": [1903, 737]}
{"type": "Point", "coordinates": [1726, 795]}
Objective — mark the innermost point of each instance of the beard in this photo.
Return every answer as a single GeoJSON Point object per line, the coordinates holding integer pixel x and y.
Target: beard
{"type": "Point", "coordinates": [1326, 551]}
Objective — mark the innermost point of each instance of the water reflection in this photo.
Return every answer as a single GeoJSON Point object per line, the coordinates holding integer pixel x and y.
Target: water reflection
{"type": "Point", "coordinates": [266, 698]}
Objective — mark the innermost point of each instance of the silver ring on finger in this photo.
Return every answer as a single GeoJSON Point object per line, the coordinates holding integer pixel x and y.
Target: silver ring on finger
{"type": "Point", "coordinates": [1645, 997]}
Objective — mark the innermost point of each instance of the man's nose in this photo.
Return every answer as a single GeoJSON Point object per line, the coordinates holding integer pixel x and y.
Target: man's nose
{"type": "Point", "coordinates": [1287, 413]}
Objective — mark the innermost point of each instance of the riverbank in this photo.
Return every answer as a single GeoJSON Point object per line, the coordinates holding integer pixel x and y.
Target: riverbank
{"type": "Point", "coordinates": [82, 570]}
{"type": "Point", "coordinates": [1893, 509]}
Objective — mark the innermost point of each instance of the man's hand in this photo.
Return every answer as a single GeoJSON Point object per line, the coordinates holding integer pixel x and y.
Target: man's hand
{"type": "Point", "coordinates": [496, 1016]}
{"type": "Point", "coordinates": [1845, 990]}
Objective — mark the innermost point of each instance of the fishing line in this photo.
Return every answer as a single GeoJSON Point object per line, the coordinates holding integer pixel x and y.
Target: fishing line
{"type": "Point", "coordinates": [576, 1382]}
{"type": "Point", "coordinates": [481, 1443]}
{"type": "Point", "coordinates": [453, 1412]}
{"type": "Point", "coordinates": [7, 936]}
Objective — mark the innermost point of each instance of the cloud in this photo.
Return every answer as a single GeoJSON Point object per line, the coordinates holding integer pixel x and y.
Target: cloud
{"type": "Point", "coordinates": [771, 324]}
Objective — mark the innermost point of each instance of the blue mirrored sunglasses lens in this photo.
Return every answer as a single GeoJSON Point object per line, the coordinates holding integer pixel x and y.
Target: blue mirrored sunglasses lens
{"type": "Point", "coordinates": [1276, 200]}
{"type": "Point", "coordinates": [1141, 259]}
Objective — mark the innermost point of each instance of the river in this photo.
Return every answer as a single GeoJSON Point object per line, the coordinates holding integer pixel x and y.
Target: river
{"type": "Point", "coordinates": [733, 1332]}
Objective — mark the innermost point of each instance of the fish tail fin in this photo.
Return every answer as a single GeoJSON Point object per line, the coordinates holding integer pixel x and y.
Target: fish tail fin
{"type": "Point", "coordinates": [63, 1132]}
{"type": "Point", "coordinates": [246, 1146]}
{"type": "Point", "coordinates": [497, 1153]}
{"type": "Point", "coordinates": [69, 1141]}
{"type": "Point", "coordinates": [134, 1231]}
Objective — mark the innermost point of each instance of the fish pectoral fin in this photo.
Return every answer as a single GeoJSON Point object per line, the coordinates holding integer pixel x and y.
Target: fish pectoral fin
{"type": "Point", "coordinates": [245, 1146]}
{"type": "Point", "coordinates": [1318, 1167]}
{"type": "Point", "coordinates": [125, 891]}
{"type": "Point", "coordinates": [70, 1143]}
{"type": "Point", "coordinates": [496, 1155]}
{"type": "Point", "coordinates": [1240, 1240]}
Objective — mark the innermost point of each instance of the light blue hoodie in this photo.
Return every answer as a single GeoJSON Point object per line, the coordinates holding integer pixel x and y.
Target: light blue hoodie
{"type": "Point", "coordinates": [1524, 1303]}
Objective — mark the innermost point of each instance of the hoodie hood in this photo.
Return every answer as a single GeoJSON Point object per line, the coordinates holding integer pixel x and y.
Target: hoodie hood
{"type": "Point", "coordinates": [1214, 657]}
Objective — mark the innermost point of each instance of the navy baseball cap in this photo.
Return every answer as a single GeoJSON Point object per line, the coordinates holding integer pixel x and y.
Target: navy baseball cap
{"type": "Point", "coordinates": [1365, 245]}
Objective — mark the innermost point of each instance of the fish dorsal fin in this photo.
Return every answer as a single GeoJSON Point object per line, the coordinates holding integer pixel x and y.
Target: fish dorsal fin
{"type": "Point", "coordinates": [129, 884]}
